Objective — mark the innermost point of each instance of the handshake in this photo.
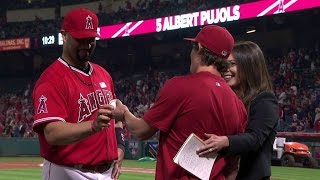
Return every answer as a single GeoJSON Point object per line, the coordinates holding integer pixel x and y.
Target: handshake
{"type": "Point", "coordinates": [114, 110]}
{"type": "Point", "coordinates": [118, 110]}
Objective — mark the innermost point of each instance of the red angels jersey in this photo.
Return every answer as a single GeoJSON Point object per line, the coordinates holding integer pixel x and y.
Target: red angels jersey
{"type": "Point", "coordinates": [64, 93]}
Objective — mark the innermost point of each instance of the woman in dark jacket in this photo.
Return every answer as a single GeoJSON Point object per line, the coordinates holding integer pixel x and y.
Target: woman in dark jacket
{"type": "Point", "coordinates": [249, 78]}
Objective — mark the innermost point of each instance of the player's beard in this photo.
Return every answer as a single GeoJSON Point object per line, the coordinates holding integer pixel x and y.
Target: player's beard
{"type": "Point", "coordinates": [84, 55]}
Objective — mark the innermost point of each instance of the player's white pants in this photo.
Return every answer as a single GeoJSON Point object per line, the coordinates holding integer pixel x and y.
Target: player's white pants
{"type": "Point", "coordinates": [51, 171]}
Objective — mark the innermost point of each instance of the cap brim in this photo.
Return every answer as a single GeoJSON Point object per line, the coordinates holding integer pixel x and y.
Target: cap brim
{"type": "Point", "coordinates": [190, 39]}
{"type": "Point", "coordinates": [83, 34]}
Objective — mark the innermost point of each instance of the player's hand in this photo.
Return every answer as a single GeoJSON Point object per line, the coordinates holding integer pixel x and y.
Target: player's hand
{"type": "Point", "coordinates": [103, 118]}
{"type": "Point", "coordinates": [116, 172]}
{"type": "Point", "coordinates": [213, 144]}
{"type": "Point", "coordinates": [118, 112]}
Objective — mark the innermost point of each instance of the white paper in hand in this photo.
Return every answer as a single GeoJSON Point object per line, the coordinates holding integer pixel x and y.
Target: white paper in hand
{"type": "Point", "coordinates": [190, 161]}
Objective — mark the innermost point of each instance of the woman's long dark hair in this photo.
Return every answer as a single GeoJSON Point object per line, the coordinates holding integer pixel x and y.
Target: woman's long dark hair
{"type": "Point", "coordinates": [252, 71]}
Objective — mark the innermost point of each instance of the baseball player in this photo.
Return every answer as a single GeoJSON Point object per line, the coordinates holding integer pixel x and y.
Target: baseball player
{"type": "Point", "coordinates": [71, 100]}
{"type": "Point", "coordinates": [199, 103]}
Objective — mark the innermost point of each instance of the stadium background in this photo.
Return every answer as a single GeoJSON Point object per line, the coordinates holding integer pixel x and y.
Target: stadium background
{"type": "Point", "coordinates": [141, 64]}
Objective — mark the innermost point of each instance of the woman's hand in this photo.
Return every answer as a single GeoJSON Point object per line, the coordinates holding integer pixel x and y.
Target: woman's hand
{"type": "Point", "coordinates": [213, 144]}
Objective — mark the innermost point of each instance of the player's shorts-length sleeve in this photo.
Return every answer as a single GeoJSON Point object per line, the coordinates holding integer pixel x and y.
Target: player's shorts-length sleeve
{"type": "Point", "coordinates": [49, 104]}
{"type": "Point", "coordinates": [166, 107]}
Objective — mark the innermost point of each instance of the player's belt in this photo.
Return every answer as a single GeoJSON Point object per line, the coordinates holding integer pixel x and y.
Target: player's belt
{"type": "Point", "coordinates": [99, 168]}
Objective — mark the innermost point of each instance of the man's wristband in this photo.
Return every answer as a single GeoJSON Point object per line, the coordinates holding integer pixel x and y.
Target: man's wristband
{"type": "Point", "coordinates": [120, 138]}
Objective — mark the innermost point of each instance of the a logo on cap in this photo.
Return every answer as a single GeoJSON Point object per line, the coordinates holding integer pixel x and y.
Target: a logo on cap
{"type": "Point", "coordinates": [224, 53]}
{"type": "Point", "coordinates": [89, 24]}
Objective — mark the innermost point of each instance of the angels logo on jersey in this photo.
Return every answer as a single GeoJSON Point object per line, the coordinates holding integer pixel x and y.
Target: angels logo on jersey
{"type": "Point", "coordinates": [90, 102]}
{"type": "Point", "coordinates": [42, 107]}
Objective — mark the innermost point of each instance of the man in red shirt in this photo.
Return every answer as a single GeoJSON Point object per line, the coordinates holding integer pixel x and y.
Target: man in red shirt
{"type": "Point", "coordinates": [70, 99]}
{"type": "Point", "coordinates": [201, 102]}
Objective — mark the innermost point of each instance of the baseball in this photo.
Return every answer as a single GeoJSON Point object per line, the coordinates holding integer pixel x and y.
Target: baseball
{"type": "Point", "coordinates": [113, 103]}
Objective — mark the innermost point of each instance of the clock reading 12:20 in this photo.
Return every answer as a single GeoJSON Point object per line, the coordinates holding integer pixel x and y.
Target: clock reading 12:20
{"type": "Point", "coordinates": [48, 40]}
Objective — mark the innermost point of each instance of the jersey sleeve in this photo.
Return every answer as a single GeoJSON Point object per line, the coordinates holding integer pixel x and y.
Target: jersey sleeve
{"type": "Point", "coordinates": [166, 107]}
{"type": "Point", "coordinates": [49, 105]}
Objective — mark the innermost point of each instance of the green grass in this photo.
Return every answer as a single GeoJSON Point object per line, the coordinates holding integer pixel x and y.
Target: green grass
{"type": "Point", "coordinates": [278, 173]}
{"type": "Point", "coordinates": [35, 173]}
{"type": "Point", "coordinates": [136, 176]}
{"type": "Point", "coordinates": [20, 174]}
{"type": "Point", "coordinates": [126, 163]}
{"type": "Point", "coordinates": [32, 174]}
{"type": "Point", "coordinates": [15, 159]}
{"type": "Point", "coordinates": [139, 164]}
{"type": "Point", "coordinates": [294, 173]}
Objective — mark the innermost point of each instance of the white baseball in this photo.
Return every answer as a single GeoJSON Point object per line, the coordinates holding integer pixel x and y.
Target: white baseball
{"type": "Point", "coordinates": [113, 103]}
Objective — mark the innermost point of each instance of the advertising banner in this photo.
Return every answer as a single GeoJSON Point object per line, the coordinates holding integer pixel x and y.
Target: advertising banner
{"type": "Point", "coordinates": [14, 44]}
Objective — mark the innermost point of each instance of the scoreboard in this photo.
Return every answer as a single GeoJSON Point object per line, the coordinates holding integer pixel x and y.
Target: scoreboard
{"type": "Point", "coordinates": [48, 40]}
{"type": "Point", "coordinates": [53, 39]}
{"type": "Point", "coordinates": [199, 18]}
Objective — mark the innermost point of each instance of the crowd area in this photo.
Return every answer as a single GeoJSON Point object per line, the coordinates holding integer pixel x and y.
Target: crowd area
{"type": "Point", "coordinates": [143, 9]}
{"type": "Point", "coordinates": [296, 79]}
